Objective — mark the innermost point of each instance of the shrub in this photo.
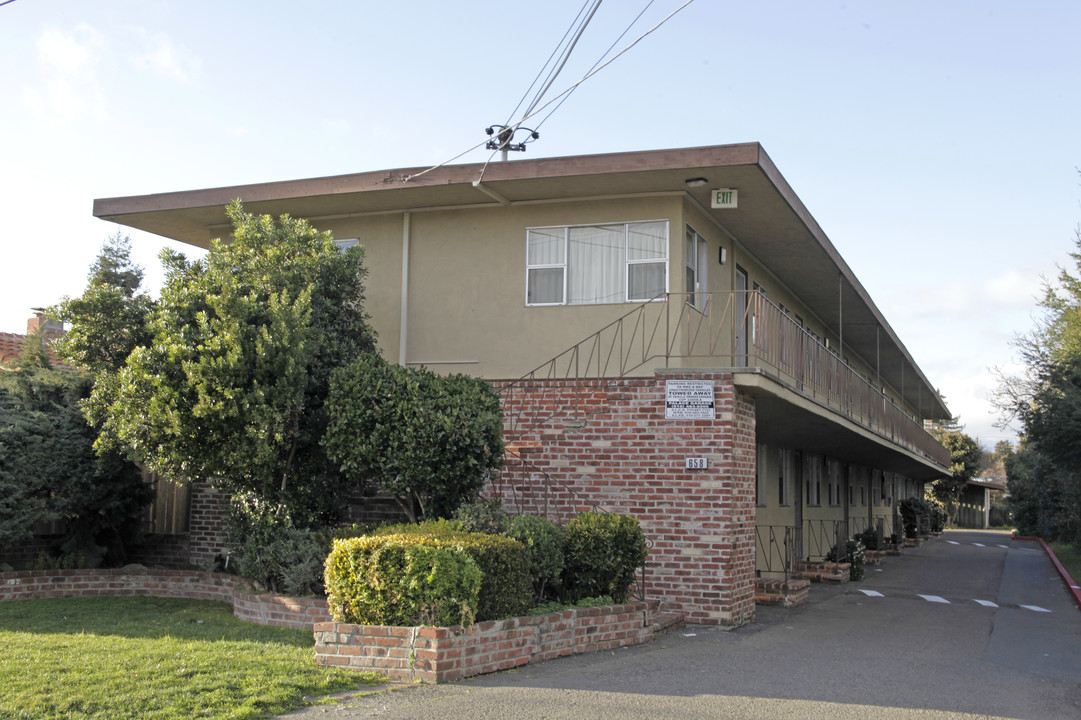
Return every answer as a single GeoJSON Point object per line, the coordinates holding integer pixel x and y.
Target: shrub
{"type": "Point", "coordinates": [869, 538]}
{"type": "Point", "coordinates": [267, 549]}
{"type": "Point", "coordinates": [854, 553]}
{"type": "Point", "coordinates": [916, 516]}
{"type": "Point", "coordinates": [400, 580]}
{"type": "Point", "coordinates": [430, 441]}
{"type": "Point", "coordinates": [938, 517]}
{"type": "Point", "coordinates": [544, 541]}
{"type": "Point", "coordinates": [602, 551]}
{"type": "Point", "coordinates": [484, 516]}
{"type": "Point", "coordinates": [506, 585]}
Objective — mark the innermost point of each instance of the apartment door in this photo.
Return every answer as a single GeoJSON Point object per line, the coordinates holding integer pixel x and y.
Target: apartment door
{"type": "Point", "coordinates": [741, 321]}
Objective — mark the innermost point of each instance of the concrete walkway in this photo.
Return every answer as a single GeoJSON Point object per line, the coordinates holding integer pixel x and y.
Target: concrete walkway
{"type": "Point", "coordinates": [970, 625]}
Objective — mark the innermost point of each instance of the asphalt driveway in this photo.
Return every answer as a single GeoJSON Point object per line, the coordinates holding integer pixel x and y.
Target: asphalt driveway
{"type": "Point", "coordinates": [970, 625]}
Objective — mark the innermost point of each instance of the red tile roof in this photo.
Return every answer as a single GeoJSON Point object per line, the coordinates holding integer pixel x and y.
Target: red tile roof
{"type": "Point", "coordinates": [11, 345]}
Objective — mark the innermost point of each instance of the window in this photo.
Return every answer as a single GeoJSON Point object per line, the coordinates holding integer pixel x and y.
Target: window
{"type": "Point", "coordinates": [760, 470]}
{"type": "Point", "coordinates": [783, 462]}
{"type": "Point", "coordinates": [594, 264]}
{"type": "Point", "coordinates": [833, 467]}
{"type": "Point", "coordinates": [813, 480]}
{"type": "Point", "coordinates": [696, 253]}
{"type": "Point", "coordinates": [344, 243]}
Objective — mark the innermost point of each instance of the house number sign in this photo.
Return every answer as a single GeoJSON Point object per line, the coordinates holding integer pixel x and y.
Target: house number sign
{"type": "Point", "coordinates": [688, 400]}
{"type": "Point", "coordinates": [696, 463]}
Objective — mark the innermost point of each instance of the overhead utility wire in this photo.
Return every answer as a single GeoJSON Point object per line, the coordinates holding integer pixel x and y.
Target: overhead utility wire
{"type": "Point", "coordinates": [566, 56]}
{"type": "Point", "coordinates": [599, 60]}
{"type": "Point", "coordinates": [547, 62]}
{"type": "Point", "coordinates": [615, 57]}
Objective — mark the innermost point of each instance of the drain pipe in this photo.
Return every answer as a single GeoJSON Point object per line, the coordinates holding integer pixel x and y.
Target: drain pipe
{"type": "Point", "coordinates": [403, 329]}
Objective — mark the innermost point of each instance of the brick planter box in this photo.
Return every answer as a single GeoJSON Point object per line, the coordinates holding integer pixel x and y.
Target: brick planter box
{"type": "Point", "coordinates": [263, 609]}
{"type": "Point", "coordinates": [439, 654]}
{"type": "Point", "coordinates": [830, 572]}
{"type": "Point", "coordinates": [778, 592]}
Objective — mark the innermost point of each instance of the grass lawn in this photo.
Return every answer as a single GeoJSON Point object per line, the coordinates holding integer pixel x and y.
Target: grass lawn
{"type": "Point", "coordinates": [1070, 557]}
{"type": "Point", "coordinates": [134, 657]}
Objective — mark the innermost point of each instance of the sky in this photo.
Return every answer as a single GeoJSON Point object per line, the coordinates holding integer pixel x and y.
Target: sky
{"type": "Point", "coordinates": [936, 143]}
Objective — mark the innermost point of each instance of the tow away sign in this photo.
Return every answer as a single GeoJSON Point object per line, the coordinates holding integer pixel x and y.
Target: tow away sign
{"type": "Point", "coordinates": [689, 400]}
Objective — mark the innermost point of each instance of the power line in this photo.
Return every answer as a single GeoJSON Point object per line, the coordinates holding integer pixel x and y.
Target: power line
{"type": "Point", "coordinates": [540, 72]}
{"type": "Point", "coordinates": [601, 58]}
{"type": "Point", "coordinates": [565, 57]}
{"type": "Point", "coordinates": [6, 2]}
{"type": "Point", "coordinates": [570, 89]}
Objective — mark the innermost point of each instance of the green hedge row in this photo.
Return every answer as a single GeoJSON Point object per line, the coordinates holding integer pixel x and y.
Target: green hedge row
{"type": "Point", "coordinates": [400, 580]}
{"type": "Point", "coordinates": [424, 573]}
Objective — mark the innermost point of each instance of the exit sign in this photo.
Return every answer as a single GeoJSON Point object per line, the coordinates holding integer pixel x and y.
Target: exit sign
{"type": "Point", "coordinates": [724, 198]}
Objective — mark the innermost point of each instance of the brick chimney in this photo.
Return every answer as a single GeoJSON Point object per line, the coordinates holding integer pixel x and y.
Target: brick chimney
{"type": "Point", "coordinates": [50, 328]}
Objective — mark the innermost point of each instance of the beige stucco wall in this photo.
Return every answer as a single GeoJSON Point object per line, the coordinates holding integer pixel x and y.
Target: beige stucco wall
{"type": "Point", "coordinates": [466, 299]}
{"type": "Point", "coordinates": [467, 310]}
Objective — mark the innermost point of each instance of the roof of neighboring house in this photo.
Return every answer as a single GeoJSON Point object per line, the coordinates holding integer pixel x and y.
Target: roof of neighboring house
{"type": "Point", "coordinates": [795, 248]}
{"type": "Point", "coordinates": [993, 483]}
{"type": "Point", "coordinates": [11, 346]}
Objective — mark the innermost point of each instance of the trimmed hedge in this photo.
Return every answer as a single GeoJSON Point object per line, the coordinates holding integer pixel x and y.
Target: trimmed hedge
{"type": "Point", "coordinates": [544, 541]}
{"type": "Point", "coordinates": [603, 552]}
{"type": "Point", "coordinates": [400, 580]}
{"type": "Point", "coordinates": [506, 588]}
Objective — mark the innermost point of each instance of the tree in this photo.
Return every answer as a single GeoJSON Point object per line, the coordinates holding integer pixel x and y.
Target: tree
{"type": "Point", "coordinates": [1044, 475]}
{"type": "Point", "coordinates": [109, 319]}
{"type": "Point", "coordinates": [232, 387]}
{"type": "Point", "coordinates": [50, 471]}
{"type": "Point", "coordinates": [965, 457]}
{"type": "Point", "coordinates": [428, 440]}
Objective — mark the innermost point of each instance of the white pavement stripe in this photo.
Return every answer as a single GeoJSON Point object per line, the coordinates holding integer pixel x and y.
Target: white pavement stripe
{"type": "Point", "coordinates": [935, 599]}
{"type": "Point", "coordinates": [953, 542]}
{"type": "Point", "coordinates": [872, 593]}
{"type": "Point", "coordinates": [979, 544]}
{"type": "Point", "coordinates": [1005, 546]}
{"type": "Point", "coordinates": [987, 603]}
{"type": "Point", "coordinates": [1035, 608]}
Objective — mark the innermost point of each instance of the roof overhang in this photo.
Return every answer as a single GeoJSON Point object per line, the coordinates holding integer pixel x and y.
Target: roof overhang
{"type": "Point", "coordinates": [770, 222]}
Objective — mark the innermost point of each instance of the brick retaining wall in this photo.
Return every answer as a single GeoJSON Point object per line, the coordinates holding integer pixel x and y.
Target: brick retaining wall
{"type": "Point", "coordinates": [263, 609]}
{"type": "Point", "coordinates": [439, 654]}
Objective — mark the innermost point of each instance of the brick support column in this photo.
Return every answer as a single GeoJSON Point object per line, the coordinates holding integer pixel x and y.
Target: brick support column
{"type": "Point", "coordinates": [605, 444]}
{"type": "Point", "coordinates": [207, 526]}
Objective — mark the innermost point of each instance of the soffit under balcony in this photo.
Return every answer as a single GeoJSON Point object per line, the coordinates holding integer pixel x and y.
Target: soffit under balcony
{"type": "Point", "coordinates": [770, 221]}
{"type": "Point", "coordinates": [786, 418]}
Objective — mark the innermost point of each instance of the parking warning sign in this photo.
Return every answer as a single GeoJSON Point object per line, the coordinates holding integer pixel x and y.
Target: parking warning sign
{"type": "Point", "coordinates": [689, 400]}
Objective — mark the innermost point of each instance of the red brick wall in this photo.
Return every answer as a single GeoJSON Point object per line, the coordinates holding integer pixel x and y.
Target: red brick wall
{"type": "Point", "coordinates": [614, 450]}
{"type": "Point", "coordinates": [438, 654]}
{"type": "Point", "coordinates": [206, 533]}
{"type": "Point", "coordinates": [300, 613]}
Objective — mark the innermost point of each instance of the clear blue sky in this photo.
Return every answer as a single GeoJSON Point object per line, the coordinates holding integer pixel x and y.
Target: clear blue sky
{"type": "Point", "coordinates": [935, 142]}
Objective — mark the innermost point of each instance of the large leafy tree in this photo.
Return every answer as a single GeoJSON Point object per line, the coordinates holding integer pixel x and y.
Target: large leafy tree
{"type": "Point", "coordinates": [430, 441]}
{"type": "Point", "coordinates": [232, 386]}
{"type": "Point", "coordinates": [1044, 474]}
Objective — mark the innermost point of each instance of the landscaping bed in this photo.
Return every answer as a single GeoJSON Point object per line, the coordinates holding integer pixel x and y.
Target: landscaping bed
{"type": "Point", "coordinates": [441, 654]}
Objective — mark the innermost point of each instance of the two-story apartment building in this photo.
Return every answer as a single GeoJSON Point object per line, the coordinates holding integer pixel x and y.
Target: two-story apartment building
{"type": "Point", "coordinates": [673, 335]}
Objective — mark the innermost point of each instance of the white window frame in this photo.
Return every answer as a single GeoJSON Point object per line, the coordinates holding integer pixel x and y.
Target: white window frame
{"type": "Point", "coordinates": [627, 263]}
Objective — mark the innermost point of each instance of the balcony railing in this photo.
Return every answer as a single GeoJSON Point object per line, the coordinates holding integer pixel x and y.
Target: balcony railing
{"type": "Point", "coordinates": [737, 330]}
